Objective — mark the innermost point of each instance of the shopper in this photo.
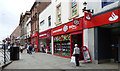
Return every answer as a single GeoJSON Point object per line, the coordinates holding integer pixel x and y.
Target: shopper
{"type": "Point", "coordinates": [30, 49]}
{"type": "Point", "coordinates": [21, 48]}
{"type": "Point", "coordinates": [76, 53]}
{"type": "Point", "coordinates": [35, 47]}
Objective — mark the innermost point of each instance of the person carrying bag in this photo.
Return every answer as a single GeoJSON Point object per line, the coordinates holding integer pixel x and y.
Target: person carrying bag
{"type": "Point", "coordinates": [76, 53]}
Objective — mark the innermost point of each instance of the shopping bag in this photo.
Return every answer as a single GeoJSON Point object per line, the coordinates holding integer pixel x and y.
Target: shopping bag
{"type": "Point", "coordinates": [72, 59]}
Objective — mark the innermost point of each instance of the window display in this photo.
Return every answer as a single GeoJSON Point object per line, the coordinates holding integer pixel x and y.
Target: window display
{"type": "Point", "coordinates": [62, 45]}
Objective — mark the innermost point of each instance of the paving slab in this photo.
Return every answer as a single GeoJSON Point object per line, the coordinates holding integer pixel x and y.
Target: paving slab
{"type": "Point", "coordinates": [48, 61]}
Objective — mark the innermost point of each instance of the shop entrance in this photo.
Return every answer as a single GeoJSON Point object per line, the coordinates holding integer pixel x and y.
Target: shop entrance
{"type": "Point", "coordinates": [109, 42]}
{"type": "Point", "coordinates": [77, 39]}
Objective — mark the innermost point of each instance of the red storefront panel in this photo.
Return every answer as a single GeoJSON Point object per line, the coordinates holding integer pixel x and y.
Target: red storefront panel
{"type": "Point", "coordinates": [107, 18]}
{"type": "Point", "coordinates": [68, 27]}
{"type": "Point", "coordinates": [35, 36]}
{"type": "Point", "coordinates": [45, 34]}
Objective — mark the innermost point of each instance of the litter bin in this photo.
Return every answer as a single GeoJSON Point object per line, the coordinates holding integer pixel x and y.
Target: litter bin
{"type": "Point", "coordinates": [14, 53]}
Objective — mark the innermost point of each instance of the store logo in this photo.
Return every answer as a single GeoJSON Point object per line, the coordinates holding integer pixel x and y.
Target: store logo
{"type": "Point", "coordinates": [76, 22]}
{"type": "Point", "coordinates": [88, 17]}
{"type": "Point", "coordinates": [65, 28]}
{"type": "Point", "coordinates": [114, 17]}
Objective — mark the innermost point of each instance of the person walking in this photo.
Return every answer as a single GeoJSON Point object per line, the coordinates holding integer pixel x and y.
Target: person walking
{"type": "Point", "coordinates": [76, 53]}
{"type": "Point", "coordinates": [35, 47]}
{"type": "Point", "coordinates": [21, 48]}
{"type": "Point", "coordinates": [30, 49]}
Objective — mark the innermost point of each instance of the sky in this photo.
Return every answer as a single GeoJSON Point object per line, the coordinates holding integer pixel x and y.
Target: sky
{"type": "Point", "coordinates": [10, 11]}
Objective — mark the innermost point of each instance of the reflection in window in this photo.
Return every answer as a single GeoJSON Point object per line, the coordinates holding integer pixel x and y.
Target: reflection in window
{"type": "Point", "coordinates": [74, 8]}
{"type": "Point", "coordinates": [58, 13]}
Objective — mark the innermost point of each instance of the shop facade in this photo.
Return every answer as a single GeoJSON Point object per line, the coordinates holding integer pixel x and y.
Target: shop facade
{"type": "Point", "coordinates": [104, 27]}
{"type": "Point", "coordinates": [34, 40]}
{"type": "Point", "coordinates": [65, 36]}
{"type": "Point", "coordinates": [45, 41]}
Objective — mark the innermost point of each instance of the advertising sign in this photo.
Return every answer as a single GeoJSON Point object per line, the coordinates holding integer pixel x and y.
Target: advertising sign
{"type": "Point", "coordinates": [45, 34]}
{"type": "Point", "coordinates": [86, 54]}
{"type": "Point", "coordinates": [72, 26]}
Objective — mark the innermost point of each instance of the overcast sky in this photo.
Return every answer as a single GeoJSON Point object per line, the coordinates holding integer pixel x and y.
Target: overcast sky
{"type": "Point", "coordinates": [10, 11]}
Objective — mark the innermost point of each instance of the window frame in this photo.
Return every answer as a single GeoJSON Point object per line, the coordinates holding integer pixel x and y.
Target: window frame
{"type": "Point", "coordinates": [43, 21]}
{"type": "Point", "coordinates": [49, 21]}
{"type": "Point", "coordinates": [77, 7]}
{"type": "Point", "coordinates": [57, 23]}
{"type": "Point", "coordinates": [106, 3]}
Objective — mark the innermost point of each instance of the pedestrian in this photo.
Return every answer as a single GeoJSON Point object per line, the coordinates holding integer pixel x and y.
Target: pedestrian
{"type": "Point", "coordinates": [35, 47]}
{"type": "Point", "coordinates": [30, 49]}
{"type": "Point", "coordinates": [21, 48]}
{"type": "Point", "coordinates": [76, 53]}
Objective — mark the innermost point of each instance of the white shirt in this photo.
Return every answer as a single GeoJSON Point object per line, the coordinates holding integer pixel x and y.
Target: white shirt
{"type": "Point", "coordinates": [76, 50]}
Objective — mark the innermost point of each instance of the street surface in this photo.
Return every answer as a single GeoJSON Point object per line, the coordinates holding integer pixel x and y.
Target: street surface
{"type": "Point", "coordinates": [48, 61]}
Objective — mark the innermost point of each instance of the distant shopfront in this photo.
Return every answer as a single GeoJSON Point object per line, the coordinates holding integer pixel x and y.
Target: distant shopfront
{"type": "Point", "coordinates": [34, 40]}
{"type": "Point", "coordinates": [45, 41]}
{"type": "Point", "coordinates": [65, 36]}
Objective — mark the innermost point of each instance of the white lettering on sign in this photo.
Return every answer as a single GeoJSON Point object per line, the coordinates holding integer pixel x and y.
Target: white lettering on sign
{"type": "Point", "coordinates": [57, 30]}
{"type": "Point", "coordinates": [76, 22]}
{"type": "Point", "coordinates": [113, 17]}
{"type": "Point", "coordinates": [42, 35]}
{"type": "Point", "coordinates": [65, 28]}
{"type": "Point", "coordinates": [72, 27]}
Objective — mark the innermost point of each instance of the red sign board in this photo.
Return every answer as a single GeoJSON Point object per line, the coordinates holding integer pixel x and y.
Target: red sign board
{"type": "Point", "coordinates": [87, 16]}
{"type": "Point", "coordinates": [86, 54]}
{"type": "Point", "coordinates": [34, 35]}
{"type": "Point", "coordinates": [68, 27]}
{"type": "Point", "coordinates": [45, 34]}
{"type": "Point", "coordinates": [107, 18]}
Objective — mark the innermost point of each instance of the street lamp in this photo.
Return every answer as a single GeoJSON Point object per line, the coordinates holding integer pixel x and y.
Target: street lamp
{"type": "Point", "coordinates": [87, 10]}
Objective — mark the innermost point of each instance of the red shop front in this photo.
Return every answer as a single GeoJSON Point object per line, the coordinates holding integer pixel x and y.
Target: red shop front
{"type": "Point", "coordinates": [65, 36]}
{"type": "Point", "coordinates": [34, 40]}
{"type": "Point", "coordinates": [45, 41]}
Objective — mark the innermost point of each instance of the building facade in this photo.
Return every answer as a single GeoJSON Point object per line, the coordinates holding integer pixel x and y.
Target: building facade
{"type": "Point", "coordinates": [70, 25]}
{"type": "Point", "coordinates": [15, 36]}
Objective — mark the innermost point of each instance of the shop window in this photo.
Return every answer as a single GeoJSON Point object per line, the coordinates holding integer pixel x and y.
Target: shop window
{"type": "Point", "coordinates": [58, 14]}
{"type": "Point", "coordinates": [107, 2]}
{"type": "Point", "coordinates": [42, 22]}
{"type": "Point", "coordinates": [49, 20]}
{"type": "Point", "coordinates": [62, 45]}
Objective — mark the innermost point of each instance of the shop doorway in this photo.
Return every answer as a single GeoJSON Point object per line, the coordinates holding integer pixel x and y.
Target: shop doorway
{"type": "Point", "coordinates": [77, 39]}
{"type": "Point", "coordinates": [109, 42]}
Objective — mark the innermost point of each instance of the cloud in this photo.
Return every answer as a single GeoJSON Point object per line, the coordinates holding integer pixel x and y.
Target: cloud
{"type": "Point", "coordinates": [10, 11]}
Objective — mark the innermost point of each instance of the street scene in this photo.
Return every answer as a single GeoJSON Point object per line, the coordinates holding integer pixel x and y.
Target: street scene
{"type": "Point", "coordinates": [60, 34]}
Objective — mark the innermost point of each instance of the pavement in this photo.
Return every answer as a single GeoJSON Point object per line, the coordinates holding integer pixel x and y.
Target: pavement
{"type": "Point", "coordinates": [48, 61]}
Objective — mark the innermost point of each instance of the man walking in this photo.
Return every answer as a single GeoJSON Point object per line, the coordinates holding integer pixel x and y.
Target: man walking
{"type": "Point", "coordinates": [76, 54]}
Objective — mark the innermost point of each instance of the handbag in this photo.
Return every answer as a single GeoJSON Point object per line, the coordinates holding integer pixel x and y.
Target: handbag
{"type": "Point", "coordinates": [72, 59]}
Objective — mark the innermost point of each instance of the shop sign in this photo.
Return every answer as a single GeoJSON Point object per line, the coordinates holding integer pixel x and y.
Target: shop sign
{"type": "Point", "coordinates": [86, 54]}
{"type": "Point", "coordinates": [87, 16]}
{"type": "Point", "coordinates": [45, 34]}
{"type": "Point", "coordinates": [103, 19]}
{"type": "Point", "coordinates": [76, 22]}
{"type": "Point", "coordinates": [66, 28]}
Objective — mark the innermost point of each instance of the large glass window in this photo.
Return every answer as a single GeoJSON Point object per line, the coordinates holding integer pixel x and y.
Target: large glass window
{"type": "Point", "coordinates": [59, 13]}
{"type": "Point", "coordinates": [62, 45]}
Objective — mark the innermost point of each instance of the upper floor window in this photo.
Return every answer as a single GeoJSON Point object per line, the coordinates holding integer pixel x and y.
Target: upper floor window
{"type": "Point", "coordinates": [59, 13]}
{"type": "Point", "coordinates": [74, 8]}
{"type": "Point", "coordinates": [42, 22]}
{"type": "Point", "coordinates": [49, 20]}
{"type": "Point", "coordinates": [107, 2]}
